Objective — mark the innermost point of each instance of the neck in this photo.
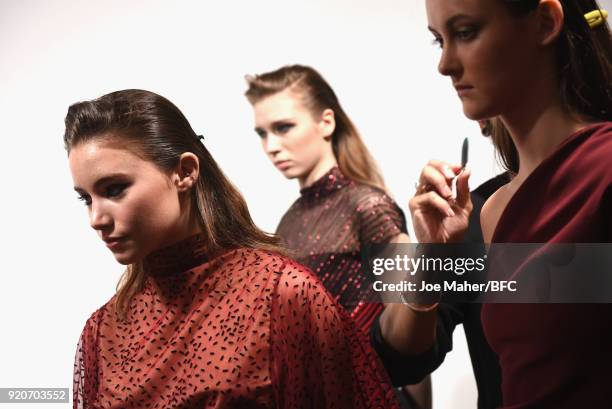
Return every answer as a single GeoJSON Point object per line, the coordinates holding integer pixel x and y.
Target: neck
{"type": "Point", "coordinates": [189, 224]}
{"type": "Point", "coordinates": [537, 127]}
{"type": "Point", "coordinates": [320, 169]}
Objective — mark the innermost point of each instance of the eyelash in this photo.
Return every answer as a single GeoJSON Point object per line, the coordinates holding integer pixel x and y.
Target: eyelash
{"type": "Point", "coordinates": [465, 34]}
{"type": "Point", "coordinates": [109, 193]}
{"type": "Point", "coordinates": [283, 128]}
{"type": "Point", "coordinates": [120, 187]}
{"type": "Point", "coordinates": [85, 199]}
{"type": "Point", "coordinates": [280, 129]}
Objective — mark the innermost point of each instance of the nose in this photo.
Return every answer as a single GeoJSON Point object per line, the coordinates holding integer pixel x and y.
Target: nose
{"type": "Point", "coordinates": [272, 144]}
{"type": "Point", "coordinates": [449, 63]}
{"type": "Point", "coordinates": [99, 217]}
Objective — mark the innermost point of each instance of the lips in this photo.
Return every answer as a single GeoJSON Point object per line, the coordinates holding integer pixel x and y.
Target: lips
{"type": "Point", "coordinates": [282, 164]}
{"type": "Point", "coordinates": [460, 87]}
{"type": "Point", "coordinates": [113, 242]}
{"type": "Point", "coordinates": [463, 89]}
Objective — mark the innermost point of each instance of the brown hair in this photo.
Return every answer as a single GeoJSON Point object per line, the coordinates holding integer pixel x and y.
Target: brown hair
{"type": "Point", "coordinates": [584, 63]}
{"type": "Point", "coordinates": [354, 159]}
{"type": "Point", "coordinates": [160, 133]}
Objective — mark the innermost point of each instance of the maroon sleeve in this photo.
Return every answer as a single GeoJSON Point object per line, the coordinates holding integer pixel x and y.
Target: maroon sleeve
{"type": "Point", "coordinates": [319, 358]}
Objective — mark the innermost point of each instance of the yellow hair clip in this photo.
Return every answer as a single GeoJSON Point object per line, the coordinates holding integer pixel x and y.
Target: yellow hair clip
{"type": "Point", "coordinates": [596, 17]}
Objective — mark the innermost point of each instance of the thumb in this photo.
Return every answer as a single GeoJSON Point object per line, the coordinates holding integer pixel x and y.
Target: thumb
{"type": "Point", "coordinates": [463, 188]}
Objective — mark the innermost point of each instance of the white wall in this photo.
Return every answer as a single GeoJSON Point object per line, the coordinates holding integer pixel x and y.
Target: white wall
{"type": "Point", "coordinates": [377, 55]}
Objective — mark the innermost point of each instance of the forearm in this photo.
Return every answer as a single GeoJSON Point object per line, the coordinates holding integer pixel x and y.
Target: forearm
{"type": "Point", "coordinates": [407, 331]}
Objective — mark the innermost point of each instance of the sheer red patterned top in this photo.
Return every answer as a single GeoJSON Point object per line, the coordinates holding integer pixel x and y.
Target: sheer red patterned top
{"type": "Point", "coordinates": [243, 329]}
{"type": "Point", "coordinates": [328, 228]}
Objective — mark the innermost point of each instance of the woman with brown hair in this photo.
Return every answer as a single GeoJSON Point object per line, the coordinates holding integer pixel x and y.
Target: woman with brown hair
{"type": "Point", "coordinates": [209, 313]}
{"type": "Point", "coordinates": [343, 208]}
{"type": "Point", "coordinates": [343, 205]}
{"type": "Point", "coordinates": [543, 70]}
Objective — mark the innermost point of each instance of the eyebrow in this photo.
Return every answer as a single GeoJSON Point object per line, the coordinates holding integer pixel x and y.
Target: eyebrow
{"type": "Point", "coordinates": [103, 180]}
{"type": "Point", "coordinates": [449, 23]}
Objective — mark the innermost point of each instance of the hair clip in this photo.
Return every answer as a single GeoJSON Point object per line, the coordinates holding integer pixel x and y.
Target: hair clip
{"type": "Point", "coordinates": [201, 137]}
{"type": "Point", "coordinates": [596, 17]}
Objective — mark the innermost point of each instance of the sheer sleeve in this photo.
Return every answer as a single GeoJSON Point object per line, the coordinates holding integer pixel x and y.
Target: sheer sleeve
{"type": "Point", "coordinates": [381, 219]}
{"type": "Point", "coordinates": [319, 358]}
{"type": "Point", "coordinates": [85, 376]}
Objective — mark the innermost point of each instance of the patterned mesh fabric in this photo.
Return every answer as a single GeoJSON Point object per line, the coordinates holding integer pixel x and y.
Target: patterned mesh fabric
{"type": "Point", "coordinates": [328, 228]}
{"type": "Point", "coordinates": [243, 329]}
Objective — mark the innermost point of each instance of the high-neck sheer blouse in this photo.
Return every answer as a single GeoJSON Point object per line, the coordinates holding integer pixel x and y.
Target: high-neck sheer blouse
{"type": "Point", "coordinates": [328, 227]}
{"type": "Point", "coordinates": [243, 329]}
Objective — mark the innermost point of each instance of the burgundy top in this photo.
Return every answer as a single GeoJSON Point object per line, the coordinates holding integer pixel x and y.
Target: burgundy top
{"type": "Point", "coordinates": [244, 329]}
{"type": "Point", "coordinates": [327, 229]}
{"type": "Point", "coordinates": [558, 355]}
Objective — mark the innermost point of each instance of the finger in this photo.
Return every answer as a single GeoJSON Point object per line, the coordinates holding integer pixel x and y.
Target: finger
{"type": "Point", "coordinates": [432, 176]}
{"type": "Point", "coordinates": [463, 188]}
{"type": "Point", "coordinates": [447, 169]}
{"type": "Point", "coordinates": [431, 200]}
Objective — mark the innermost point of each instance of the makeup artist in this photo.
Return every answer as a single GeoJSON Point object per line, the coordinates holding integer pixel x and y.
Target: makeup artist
{"type": "Point", "coordinates": [411, 367]}
{"type": "Point", "coordinates": [550, 94]}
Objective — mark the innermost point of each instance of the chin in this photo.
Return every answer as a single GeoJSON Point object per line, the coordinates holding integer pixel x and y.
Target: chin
{"type": "Point", "coordinates": [291, 173]}
{"type": "Point", "coordinates": [477, 112]}
{"type": "Point", "coordinates": [125, 258]}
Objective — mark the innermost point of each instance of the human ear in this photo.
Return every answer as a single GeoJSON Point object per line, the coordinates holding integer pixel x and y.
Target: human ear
{"type": "Point", "coordinates": [327, 124]}
{"type": "Point", "coordinates": [187, 171]}
{"type": "Point", "coordinates": [550, 19]}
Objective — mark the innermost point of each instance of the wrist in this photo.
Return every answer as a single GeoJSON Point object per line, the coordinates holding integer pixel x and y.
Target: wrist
{"type": "Point", "coordinates": [417, 307]}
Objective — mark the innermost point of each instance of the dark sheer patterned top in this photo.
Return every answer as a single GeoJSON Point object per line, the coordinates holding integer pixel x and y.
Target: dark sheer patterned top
{"type": "Point", "coordinates": [328, 228]}
{"type": "Point", "coordinates": [241, 329]}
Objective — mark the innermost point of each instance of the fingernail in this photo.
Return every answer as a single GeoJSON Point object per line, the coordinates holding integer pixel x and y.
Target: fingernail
{"type": "Point", "coordinates": [448, 172]}
{"type": "Point", "coordinates": [450, 213]}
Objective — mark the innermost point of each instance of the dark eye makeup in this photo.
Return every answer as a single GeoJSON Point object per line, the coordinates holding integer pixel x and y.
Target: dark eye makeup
{"type": "Point", "coordinates": [465, 33]}
{"type": "Point", "coordinates": [113, 190]}
{"type": "Point", "coordinates": [260, 132]}
{"type": "Point", "coordinates": [283, 128]}
{"type": "Point", "coordinates": [86, 199]}
{"type": "Point", "coordinates": [461, 32]}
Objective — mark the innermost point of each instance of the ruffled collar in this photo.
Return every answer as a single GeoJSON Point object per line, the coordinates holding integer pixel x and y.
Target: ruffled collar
{"type": "Point", "coordinates": [330, 182]}
{"type": "Point", "coordinates": [177, 257]}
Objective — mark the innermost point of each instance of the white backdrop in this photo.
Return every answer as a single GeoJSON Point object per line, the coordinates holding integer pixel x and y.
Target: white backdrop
{"type": "Point", "coordinates": [378, 57]}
